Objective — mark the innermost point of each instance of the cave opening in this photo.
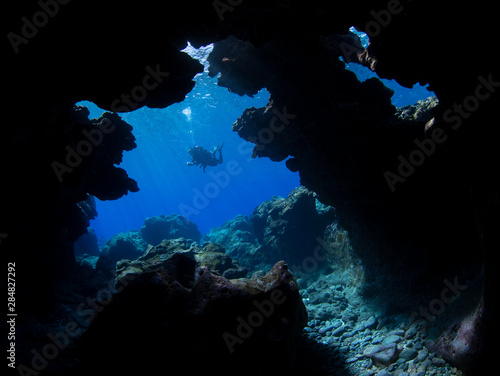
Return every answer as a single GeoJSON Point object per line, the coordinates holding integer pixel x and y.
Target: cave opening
{"type": "Point", "coordinates": [159, 163]}
{"type": "Point", "coordinates": [403, 96]}
{"type": "Point", "coordinates": [204, 118]}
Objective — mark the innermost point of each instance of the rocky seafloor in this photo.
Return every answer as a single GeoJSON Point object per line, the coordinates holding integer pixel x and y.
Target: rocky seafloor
{"type": "Point", "coordinates": [356, 324]}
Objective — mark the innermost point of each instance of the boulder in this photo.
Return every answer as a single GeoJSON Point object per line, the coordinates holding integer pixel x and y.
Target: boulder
{"type": "Point", "coordinates": [127, 245]}
{"type": "Point", "coordinates": [211, 256]}
{"type": "Point", "coordinates": [382, 355]}
{"type": "Point", "coordinates": [239, 241]}
{"type": "Point", "coordinates": [173, 226]}
{"type": "Point", "coordinates": [281, 228]}
{"type": "Point", "coordinates": [219, 262]}
{"type": "Point", "coordinates": [171, 314]}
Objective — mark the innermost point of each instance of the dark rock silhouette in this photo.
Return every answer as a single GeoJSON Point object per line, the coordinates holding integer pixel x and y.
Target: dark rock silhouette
{"type": "Point", "coordinates": [195, 315]}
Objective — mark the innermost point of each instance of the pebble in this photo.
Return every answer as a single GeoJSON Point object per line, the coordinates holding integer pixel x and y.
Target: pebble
{"type": "Point", "coordinates": [438, 362]}
{"type": "Point", "coordinates": [410, 333]}
{"type": "Point", "coordinates": [352, 359]}
{"type": "Point", "coordinates": [400, 372]}
{"type": "Point", "coordinates": [398, 332]}
{"type": "Point", "coordinates": [418, 346]}
{"type": "Point", "coordinates": [339, 331]}
{"type": "Point", "coordinates": [366, 343]}
{"type": "Point", "coordinates": [391, 339]}
{"type": "Point", "coordinates": [423, 354]}
{"type": "Point", "coordinates": [370, 323]}
{"type": "Point", "coordinates": [408, 354]}
{"type": "Point", "coordinates": [377, 340]}
{"type": "Point", "coordinates": [422, 367]}
{"type": "Point", "coordinates": [343, 349]}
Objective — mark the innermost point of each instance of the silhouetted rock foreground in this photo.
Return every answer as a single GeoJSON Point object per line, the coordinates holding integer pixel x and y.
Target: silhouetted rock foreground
{"type": "Point", "coordinates": [173, 314]}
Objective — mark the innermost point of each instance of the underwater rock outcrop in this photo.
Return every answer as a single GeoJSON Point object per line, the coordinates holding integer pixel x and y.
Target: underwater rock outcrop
{"type": "Point", "coordinates": [289, 227]}
{"type": "Point", "coordinates": [214, 257]}
{"type": "Point", "coordinates": [132, 244]}
{"type": "Point", "coordinates": [211, 256]}
{"type": "Point", "coordinates": [239, 241]}
{"type": "Point", "coordinates": [127, 245]}
{"type": "Point", "coordinates": [172, 314]}
{"type": "Point", "coordinates": [173, 226]}
{"type": "Point", "coordinates": [392, 175]}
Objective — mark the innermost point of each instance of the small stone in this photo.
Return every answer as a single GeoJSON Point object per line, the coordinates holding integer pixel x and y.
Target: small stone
{"type": "Point", "coordinates": [337, 323]}
{"type": "Point", "coordinates": [382, 373]}
{"type": "Point", "coordinates": [424, 365]}
{"type": "Point", "coordinates": [423, 354]}
{"type": "Point", "coordinates": [339, 331]}
{"type": "Point", "coordinates": [391, 339]}
{"type": "Point", "coordinates": [348, 334]}
{"type": "Point", "coordinates": [344, 349]}
{"type": "Point", "coordinates": [402, 366]}
{"type": "Point", "coordinates": [370, 323]}
{"type": "Point", "coordinates": [400, 372]}
{"type": "Point", "coordinates": [410, 333]}
{"type": "Point", "coordinates": [352, 359]}
{"type": "Point", "coordinates": [408, 354]}
{"type": "Point", "coordinates": [377, 340]}
{"type": "Point", "coordinates": [382, 355]}
{"type": "Point", "coordinates": [438, 362]}
{"type": "Point", "coordinates": [397, 332]}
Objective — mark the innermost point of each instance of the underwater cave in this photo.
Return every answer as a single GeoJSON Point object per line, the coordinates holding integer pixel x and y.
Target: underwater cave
{"type": "Point", "coordinates": [250, 187]}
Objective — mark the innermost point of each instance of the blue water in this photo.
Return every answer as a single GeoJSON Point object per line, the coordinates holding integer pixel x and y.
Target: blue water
{"type": "Point", "coordinates": [168, 185]}
{"type": "Point", "coordinates": [402, 96]}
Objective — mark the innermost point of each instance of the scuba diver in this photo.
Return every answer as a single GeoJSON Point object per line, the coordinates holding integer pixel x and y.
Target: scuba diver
{"type": "Point", "coordinates": [203, 158]}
